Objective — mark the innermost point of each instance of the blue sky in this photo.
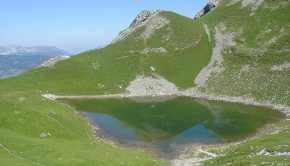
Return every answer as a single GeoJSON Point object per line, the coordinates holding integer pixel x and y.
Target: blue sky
{"type": "Point", "coordinates": [77, 25]}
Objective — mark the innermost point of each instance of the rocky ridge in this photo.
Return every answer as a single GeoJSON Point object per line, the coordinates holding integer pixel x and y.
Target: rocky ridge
{"type": "Point", "coordinates": [209, 7]}
{"type": "Point", "coordinates": [54, 60]}
{"type": "Point", "coordinates": [151, 19]}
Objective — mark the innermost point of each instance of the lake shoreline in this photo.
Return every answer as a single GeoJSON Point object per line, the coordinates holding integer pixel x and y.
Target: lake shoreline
{"type": "Point", "coordinates": [102, 136]}
{"type": "Point", "coordinates": [188, 93]}
{"type": "Point", "coordinates": [200, 148]}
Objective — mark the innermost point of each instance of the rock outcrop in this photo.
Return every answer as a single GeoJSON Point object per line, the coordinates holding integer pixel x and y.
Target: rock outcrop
{"type": "Point", "coordinates": [153, 50]}
{"type": "Point", "coordinates": [142, 17]}
{"type": "Point", "coordinates": [151, 19]}
{"type": "Point", "coordinates": [148, 86]}
{"type": "Point", "coordinates": [54, 60]}
{"type": "Point", "coordinates": [253, 4]}
{"type": "Point", "coordinates": [209, 7]}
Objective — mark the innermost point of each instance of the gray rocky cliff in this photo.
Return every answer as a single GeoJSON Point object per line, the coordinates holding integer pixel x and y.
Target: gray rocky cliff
{"type": "Point", "coordinates": [212, 4]}
{"type": "Point", "coordinates": [150, 18]}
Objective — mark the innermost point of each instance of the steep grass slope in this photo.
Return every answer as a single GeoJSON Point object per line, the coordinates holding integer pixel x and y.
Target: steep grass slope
{"type": "Point", "coordinates": [36, 131]}
{"type": "Point", "coordinates": [251, 57]}
{"type": "Point", "coordinates": [110, 70]}
{"type": "Point", "coordinates": [251, 48]}
{"type": "Point", "coordinates": [244, 44]}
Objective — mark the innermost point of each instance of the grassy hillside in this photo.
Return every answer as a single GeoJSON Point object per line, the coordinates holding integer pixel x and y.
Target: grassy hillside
{"type": "Point", "coordinates": [254, 66]}
{"type": "Point", "coordinates": [36, 131]}
{"type": "Point", "coordinates": [261, 42]}
{"type": "Point", "coordinates": [103, 71]}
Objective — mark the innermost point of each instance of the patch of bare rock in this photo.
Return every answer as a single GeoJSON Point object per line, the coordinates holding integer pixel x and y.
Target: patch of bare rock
{"type": "Point", "coordinates": [253, 4]}
{"type": "Point", "coordinates": [152, 20]}
{"type": "Point", "coordinates": [281, 67]}
{"type": "Point", "coordinates": [149, 86]}
{"type": "Point", "coordinates": [54, 60]}
{"type": "Point", "coordinates": [209, 7]}
{"type": "Point", "coordinates": [154, 50]}
{"type": "Point", "coordinates": [222, 39]}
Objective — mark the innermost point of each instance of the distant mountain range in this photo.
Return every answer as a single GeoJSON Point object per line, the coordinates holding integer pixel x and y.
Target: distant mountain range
{"type": "Point", "coordinates": [15, 60]}
{"type": "Point", "coordinates": [29, 51]}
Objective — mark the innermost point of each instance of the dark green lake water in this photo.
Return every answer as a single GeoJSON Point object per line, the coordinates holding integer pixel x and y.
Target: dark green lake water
{"type": "Point", "coordinates": [175, 122]}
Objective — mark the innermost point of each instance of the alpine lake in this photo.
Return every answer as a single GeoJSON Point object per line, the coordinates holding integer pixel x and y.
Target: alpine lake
{"type": "Point", "coordinates": [170, 124]}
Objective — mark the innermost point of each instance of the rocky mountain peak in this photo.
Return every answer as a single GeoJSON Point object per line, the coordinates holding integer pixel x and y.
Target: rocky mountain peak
{"type": "Point", "coordinates": [152, 20]}
{"type": "Point", "coordinates": [215, 2]}
{"type": "Point", "coordinates": [143, 16]}
{"type": "Point", "coordinates": [209, 7]}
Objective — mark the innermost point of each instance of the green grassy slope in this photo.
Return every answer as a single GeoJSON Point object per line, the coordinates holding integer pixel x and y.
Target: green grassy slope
{"type": "Point", "coordinates": [25, 115]}
{"type": "Point", "coordinates": [120, 63]}
{"type": "Point", "coordinates": [247, 153]}
{"type": "Point", "coordinates": [261, 42]}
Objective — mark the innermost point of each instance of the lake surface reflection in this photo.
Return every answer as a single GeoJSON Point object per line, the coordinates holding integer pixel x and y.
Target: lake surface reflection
{"type": "Point", "coordinates": [175, 122]}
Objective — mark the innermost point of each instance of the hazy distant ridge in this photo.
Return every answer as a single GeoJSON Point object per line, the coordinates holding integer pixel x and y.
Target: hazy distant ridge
{"type": "Point", "coordinates": [35, 50]}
